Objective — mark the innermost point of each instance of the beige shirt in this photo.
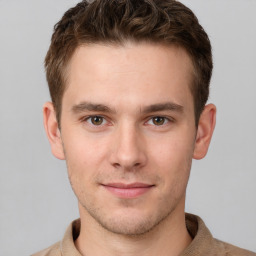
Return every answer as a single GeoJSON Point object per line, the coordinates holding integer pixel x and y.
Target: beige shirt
{"type": "Point", "coordinates": [203, 243]}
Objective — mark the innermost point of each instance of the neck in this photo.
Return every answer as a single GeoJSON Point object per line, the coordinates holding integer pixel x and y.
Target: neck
{"type": "Point", "coordinates": [170, 237]}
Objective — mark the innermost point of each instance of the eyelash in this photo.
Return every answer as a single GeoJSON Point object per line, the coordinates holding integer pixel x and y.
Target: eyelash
{"type": "Point", "coordinates": [166, 120]}
{"type": "Point", "coordinates": [86, 119]}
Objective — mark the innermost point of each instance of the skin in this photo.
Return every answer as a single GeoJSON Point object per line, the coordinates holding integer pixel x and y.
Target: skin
{"type": "Point", "coordinates": [128, 120]}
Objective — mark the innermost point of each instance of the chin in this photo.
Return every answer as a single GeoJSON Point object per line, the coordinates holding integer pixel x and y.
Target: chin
{"type": "Point", "coordinates": [129, 222]}
{"type": "Point", "coordinates": [128, 227]}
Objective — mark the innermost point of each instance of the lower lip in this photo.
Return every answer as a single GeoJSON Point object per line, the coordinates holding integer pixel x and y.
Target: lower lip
{"type": "Point", "coordinates": [128, 192]}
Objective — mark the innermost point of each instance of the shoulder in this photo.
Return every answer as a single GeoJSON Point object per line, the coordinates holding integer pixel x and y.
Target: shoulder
{"type": "Point", "coordinates": [231, 250]}
{"type": "Point", "coordinates": [66, 246]}
{"type": "Point", "coordinates": [53, 250]}
{"type": "Point", "coordinates": [205, 244]}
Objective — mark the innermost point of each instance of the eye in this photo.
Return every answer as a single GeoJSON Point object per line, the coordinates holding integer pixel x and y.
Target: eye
{"type": "Point", "coordinates": [158, 120]}
{"type": "Point", "coordinates": [96, 120]}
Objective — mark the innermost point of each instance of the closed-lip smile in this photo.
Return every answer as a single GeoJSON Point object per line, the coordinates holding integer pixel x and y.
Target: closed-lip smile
{"type": "Point", "coordinates": [130, 190]}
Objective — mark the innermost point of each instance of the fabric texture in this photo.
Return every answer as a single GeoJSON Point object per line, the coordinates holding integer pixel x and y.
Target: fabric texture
{"type": "Point", "coordinates": [203, 242]}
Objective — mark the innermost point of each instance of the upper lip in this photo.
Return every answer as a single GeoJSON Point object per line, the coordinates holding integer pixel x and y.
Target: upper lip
{"type": "Point", "coordinates": [129, 185]}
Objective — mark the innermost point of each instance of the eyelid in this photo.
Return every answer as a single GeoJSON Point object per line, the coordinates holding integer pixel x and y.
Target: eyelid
{"type": "Point", "coordinates": [167, 120]}
{"type": "Point", "coordinates": [86, 118]}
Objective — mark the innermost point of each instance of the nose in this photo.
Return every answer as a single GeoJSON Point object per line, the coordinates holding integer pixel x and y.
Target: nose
{"type": "Point", "coordinates": [128, 149]}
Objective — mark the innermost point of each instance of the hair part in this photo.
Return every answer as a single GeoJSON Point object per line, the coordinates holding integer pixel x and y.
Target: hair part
{"type": "Point", "coordinates": [115, 22]}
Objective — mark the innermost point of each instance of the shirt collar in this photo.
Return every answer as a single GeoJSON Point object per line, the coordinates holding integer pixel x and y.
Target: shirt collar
{"type": "Point", "coordinates": [202, 238]}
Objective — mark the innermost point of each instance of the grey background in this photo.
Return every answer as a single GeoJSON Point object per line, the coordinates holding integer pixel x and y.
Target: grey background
{"type": "Point", "coordinates": [36, 200]}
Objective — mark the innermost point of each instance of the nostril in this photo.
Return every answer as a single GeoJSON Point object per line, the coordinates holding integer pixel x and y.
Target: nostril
{"type": "Point", "coordinates": [116, 165]}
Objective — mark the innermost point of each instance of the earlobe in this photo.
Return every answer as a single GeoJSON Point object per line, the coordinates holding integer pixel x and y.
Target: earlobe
{"type": "Point", "coordinates": [204, 132]}
{"type": "Point", "coordinates": [52, 131]}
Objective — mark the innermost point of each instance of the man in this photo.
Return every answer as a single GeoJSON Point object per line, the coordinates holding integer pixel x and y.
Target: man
{"type": "Point", "coordinates": [129, 82]}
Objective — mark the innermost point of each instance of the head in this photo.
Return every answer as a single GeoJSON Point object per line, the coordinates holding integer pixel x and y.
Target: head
{"type": "Point", "coordinates": [117, 22]}
{"type": "Point", "coordinates": [129, 81]}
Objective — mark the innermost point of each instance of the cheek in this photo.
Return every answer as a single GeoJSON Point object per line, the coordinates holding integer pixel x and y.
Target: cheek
{"type": "Point", "coordinates": [84, 156]}
{"type": "Point", "coordinates": [83, 146]}
{"type": "Point", "coordinates": [83, 162]}
{"type": "Point", "coordinates": [171, 149]}
{"type": "Point", "coordinates": [172, 157]}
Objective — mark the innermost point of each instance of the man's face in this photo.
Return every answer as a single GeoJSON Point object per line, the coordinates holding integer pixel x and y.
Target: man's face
{"type": "Point", "coordinates": [128, 133]}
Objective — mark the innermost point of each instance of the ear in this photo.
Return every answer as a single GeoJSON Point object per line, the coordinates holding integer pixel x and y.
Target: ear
{"type": "Point", "coordinates": [52, 130]}
{"type": "Point", "coordinates": [204, 131]}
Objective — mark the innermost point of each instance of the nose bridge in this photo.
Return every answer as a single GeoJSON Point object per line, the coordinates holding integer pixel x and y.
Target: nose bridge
{"type": "Point", "coordinates": [128, 149]}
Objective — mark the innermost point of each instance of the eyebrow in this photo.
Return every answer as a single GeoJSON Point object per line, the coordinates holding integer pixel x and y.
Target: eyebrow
{"type": "Point", "coordinates": [88, 106]}
{"type": "Point", "coordinates": [163, 106]}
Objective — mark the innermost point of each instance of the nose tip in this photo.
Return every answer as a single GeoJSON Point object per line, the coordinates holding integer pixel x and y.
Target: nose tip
{"type": "Point", "coordinates": [127, 162]}
{"type": "Point", "coordinates": [129, 152]}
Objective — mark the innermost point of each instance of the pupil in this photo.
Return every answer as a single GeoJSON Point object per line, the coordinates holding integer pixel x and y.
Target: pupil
{"type": "Point", "coordinates": [97, 120]}
{"type": "Point", "coordinates": [158, 120]}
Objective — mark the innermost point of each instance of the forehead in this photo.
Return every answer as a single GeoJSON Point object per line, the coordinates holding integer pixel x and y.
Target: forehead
{"type": "Point", "coordinates": [132, 72]}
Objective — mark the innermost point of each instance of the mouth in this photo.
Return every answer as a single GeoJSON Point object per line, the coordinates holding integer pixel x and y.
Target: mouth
{"type": "Point", "coordinates": [131, 190]}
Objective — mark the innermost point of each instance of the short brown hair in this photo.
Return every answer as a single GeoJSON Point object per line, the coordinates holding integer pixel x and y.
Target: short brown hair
{"type": "Point", "coordinates": [117, 21]}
